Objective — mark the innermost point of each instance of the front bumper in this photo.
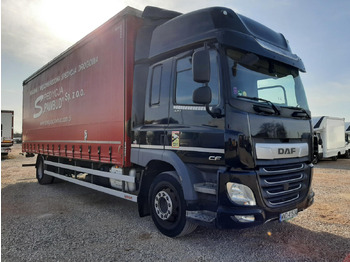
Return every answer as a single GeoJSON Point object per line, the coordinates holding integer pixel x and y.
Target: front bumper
{"type": "Point", "coordinates": [5, 150]}
{"type": "Point", "coordinates": [226, 217]}
{"type": "Point", "coordinates": [272, 199]}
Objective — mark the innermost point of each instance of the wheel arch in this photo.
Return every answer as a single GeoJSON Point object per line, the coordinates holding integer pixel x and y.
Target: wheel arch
{"type": "Point", "coordinates": [155, 162]}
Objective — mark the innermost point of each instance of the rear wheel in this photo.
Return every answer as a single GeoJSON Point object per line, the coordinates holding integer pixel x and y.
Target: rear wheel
{"type": "Point", "coordinates": [42, 178]}
{"type": "Point", "coordinates": [168, 207]}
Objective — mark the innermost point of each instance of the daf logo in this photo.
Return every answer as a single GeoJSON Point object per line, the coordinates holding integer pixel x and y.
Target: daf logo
{"type": "Point", "coordinates": [215, 158]}
{"type": "Point", "coordinates": [286, 151]}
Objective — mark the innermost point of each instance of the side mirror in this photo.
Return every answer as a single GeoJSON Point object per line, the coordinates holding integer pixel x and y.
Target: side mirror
{"type": "Point", "coordinates": [201, 66]}
{"type": "Point", "coordinates": [202, 95]}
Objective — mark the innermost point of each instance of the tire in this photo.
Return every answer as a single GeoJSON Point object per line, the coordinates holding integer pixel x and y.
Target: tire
{"type": "Point", "coordinates": [347, 154]}
{"type": "Point", "coordinates": [42, 178]}
{"type": "Point", "coordinates": [334, 158]}
{"type": "Point", "coordinates": [168, 206]}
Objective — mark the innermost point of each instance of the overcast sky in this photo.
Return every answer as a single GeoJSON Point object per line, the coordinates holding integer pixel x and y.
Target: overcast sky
{"type": "Point", "coordinates": [35, 31]}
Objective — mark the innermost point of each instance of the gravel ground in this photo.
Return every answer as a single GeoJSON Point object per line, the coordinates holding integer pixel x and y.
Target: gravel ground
{"type": "Point", "coordinates": [65, 222]}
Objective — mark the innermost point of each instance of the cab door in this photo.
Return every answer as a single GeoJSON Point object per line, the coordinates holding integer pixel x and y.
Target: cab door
{"type": "Point", "coordinates": [192, 133]}
{"type": "Point", "coordinates": [152, 134]}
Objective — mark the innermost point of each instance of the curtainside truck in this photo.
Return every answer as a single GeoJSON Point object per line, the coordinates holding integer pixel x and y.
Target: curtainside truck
{"type": "Point", "coordinates": [330, 136]}
{"type": "Point", "coordinates": [6, 131]}
{"type": "Point", "coordinates": [200, 118]}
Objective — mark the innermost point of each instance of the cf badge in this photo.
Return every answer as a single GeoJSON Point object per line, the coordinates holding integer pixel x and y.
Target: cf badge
{"type": "Point", "coordinates": [215, 158]}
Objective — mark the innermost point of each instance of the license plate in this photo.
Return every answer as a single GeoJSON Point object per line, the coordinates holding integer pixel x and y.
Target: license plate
{"type": "Point", "coordinates": [288, 215]}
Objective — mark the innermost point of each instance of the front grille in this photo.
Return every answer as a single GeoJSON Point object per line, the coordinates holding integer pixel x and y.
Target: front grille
{"type": "Point", "coordinates": [283, 185]}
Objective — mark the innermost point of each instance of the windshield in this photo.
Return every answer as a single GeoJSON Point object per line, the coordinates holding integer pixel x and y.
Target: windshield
{"type": "Point", "coordinates": [257, 77]}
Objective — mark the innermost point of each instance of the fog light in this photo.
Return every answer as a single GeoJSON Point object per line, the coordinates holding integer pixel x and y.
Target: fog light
{"type": "Point", "coordinates": [240, 194]}
{"type": "Point", "coordinates": [245, 219]}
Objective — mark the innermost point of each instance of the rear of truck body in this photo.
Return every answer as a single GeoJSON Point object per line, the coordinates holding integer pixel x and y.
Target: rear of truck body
{"type": "Point", "coordinates": [116, 113]}
{"type": "Point", "coordinates": [6, 131]}
{"type": "Point", "coordinates": [330, 134]}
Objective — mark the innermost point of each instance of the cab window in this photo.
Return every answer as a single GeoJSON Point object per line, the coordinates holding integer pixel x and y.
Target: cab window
{"type": "Point", "coordinates": [185, 84]}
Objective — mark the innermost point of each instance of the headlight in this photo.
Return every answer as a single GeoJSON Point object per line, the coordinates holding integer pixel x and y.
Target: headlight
{"type": "Point", "coordinates": [240, 194]}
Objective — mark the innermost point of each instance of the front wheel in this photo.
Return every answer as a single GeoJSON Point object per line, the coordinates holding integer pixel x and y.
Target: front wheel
{"type": "Point", "coordinates": [168, 207]}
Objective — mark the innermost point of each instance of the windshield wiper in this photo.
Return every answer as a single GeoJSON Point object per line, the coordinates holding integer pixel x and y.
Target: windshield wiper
{"type": "Point", "coordinates": [300, 113]}
{"type": "Point", "coordinates": [263, 109]}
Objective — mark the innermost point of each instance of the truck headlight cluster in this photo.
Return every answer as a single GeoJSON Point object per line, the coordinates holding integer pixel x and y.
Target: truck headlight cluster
{"type": "Point", "coordinates": [240, 194]}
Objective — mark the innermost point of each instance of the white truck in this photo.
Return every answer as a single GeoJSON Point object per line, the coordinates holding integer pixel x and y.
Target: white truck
{"type": "Point", "coordinates": [330, 136]}
{"type": "Point", "coordinates": [6, 131]}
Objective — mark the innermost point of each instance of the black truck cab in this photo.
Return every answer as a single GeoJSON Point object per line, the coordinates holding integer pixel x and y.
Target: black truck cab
{"type": "Point", "coordinates": [218, 104]}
